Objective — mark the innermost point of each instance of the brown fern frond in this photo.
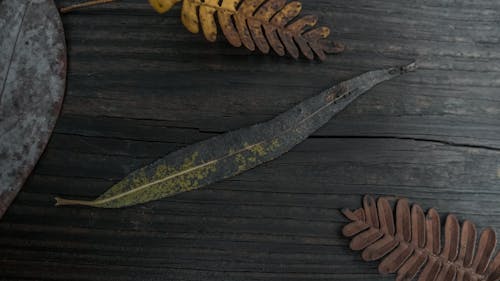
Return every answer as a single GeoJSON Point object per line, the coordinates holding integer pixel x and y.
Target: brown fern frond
{"type": "Point", "coordinates": [409, 244]}
{"type": "Point", "coordinates": [256, 24]}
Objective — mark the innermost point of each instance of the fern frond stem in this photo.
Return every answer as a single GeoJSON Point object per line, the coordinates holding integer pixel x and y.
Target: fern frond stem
{"type": "Point", "coordinates": [69, 202]}
{"type": "Point", "coordinates": [70, 8]}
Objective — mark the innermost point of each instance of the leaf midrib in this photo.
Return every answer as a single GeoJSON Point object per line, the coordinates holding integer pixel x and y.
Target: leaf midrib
{"type": "Point", "coordinates": [14, 49]}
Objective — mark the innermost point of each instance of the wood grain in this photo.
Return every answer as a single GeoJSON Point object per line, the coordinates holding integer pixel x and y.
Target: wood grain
{"type": "Point", "coordinates": [140, 86]}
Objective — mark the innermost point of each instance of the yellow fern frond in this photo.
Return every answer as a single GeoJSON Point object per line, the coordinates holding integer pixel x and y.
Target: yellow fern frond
{"type": "Point", "coordinates": [256, 24]}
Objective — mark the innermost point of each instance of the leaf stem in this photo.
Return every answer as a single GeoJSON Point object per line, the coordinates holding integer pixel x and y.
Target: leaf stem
{"type": "Point", "coordinates": [70, 8]}
{"type": "Point", "coordinates": [66, 202]}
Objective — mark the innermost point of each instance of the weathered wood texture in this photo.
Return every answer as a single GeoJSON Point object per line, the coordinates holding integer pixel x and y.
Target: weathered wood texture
{"type": "Point", "coordinates": [140, 86]}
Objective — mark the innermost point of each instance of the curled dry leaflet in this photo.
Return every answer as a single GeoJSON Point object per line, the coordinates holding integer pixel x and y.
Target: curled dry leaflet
{"type": "Point", "coordinates": [410, 243]}
{"type": "Point", "coordinates": [261, 24]}
{"type": "Point", "coordinates": [232, 153]}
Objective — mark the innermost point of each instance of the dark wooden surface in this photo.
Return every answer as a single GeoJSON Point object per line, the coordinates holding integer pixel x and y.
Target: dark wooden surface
{"type": "Point", "coordinates": [140, 86]}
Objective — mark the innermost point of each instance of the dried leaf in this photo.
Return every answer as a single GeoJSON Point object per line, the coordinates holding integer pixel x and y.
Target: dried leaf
{"type": "Point", "coordinates": [467, 247]}
{"type": "Point", "coordinates": [433, 230]}
{"type": "Point", "coordinates": [386, 217]}
{"type": "Point", "coordinates": [32, 85]}
{"type": "Point", "coordinates": [487, 244]}
{"type": "Point", "coordinates": [467, 243]}
{"type": "Point", "coordinates": [451, 238]}
{"type": "Point", "coordinates": [417, 226]}
{"type": "Point", "coordinates": [235, 152]}
{"type": "Point", "coordinates": [420, 250]}
{"type": "Point", "coordinates": [256, 24]}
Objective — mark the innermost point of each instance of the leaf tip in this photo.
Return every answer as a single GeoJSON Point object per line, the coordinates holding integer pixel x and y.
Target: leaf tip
{"type": "Point", "coordinates": [403, 69]}
{"type": "Point", "coordinates": [352, 215]}
{"type": "Point", "coordinates": [409, 67]}
{"type": "Point", "coordinates": [346, 211]}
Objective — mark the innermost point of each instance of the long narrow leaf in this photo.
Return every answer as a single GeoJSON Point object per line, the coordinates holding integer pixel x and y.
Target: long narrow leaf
{"type": "Point", "coordinates": [232, 153]}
